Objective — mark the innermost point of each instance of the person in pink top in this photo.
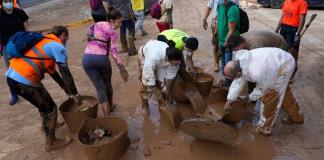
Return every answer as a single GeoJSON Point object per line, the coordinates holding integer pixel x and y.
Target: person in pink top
{"type": "Point", "coordinates": [102, 42]}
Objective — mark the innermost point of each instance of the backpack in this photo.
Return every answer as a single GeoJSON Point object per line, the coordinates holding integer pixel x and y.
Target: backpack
{"type": "Point", "coordinates": [156, 10]}
{"type": "Point", "coordinates": [94, 4]}
{"type": "Point", "coordinates": [244, 19]}
{"type": "Point", "coordinates": [91, 36]}
{"type": "Point", "coordinates": [21, 42]}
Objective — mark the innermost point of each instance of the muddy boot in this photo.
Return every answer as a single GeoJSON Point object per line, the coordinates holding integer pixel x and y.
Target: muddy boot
{"type": "Point", "coordinates": [50, 123]}
{"type": "Point", "coordinates": [105, 107]}
{"type": "Point", "coordinates": [132, 49]}
{"type": "Point", "coordinates": [123, 41]}
{"type": "Point", "coordinates": [291, 106]}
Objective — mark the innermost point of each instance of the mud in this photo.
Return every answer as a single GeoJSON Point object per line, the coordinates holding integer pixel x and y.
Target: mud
{"type": "Point", "coordinates": [99, 136]}
{"type": "Point", "coordinates": [204, 83]}
{"type": "Point", "coordinates": [20, 123]}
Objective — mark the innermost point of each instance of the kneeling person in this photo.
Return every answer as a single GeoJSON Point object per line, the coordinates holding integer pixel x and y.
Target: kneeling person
{"type": "Point", "coordinates": [158, 65]}
{"type": "Point", "coordinates": [25, 74]}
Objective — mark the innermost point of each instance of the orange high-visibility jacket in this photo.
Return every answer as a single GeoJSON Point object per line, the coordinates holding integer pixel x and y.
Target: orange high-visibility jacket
{"type": "Point", "coordinates": [34, 69]}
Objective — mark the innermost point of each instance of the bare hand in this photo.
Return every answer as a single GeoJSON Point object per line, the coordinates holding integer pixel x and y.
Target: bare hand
{"type": "Point", "coordinates": [227, 106]}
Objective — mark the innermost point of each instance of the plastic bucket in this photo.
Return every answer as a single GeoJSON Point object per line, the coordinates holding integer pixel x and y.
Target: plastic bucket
{"type": "Point", "coordinates": [112, 149]}
{"type": "Point", "coordinates": [204, 82]}
{"type": "Point", "coordinates": [74, 114]}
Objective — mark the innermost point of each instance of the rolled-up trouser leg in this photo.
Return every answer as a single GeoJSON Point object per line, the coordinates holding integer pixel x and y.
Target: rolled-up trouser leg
{"type": "Point", "coordinates": [291, 106]}
{"type": "Point", "coordinates": [131, 39]}
{"type": "Point", "coordinates": [140, 20]}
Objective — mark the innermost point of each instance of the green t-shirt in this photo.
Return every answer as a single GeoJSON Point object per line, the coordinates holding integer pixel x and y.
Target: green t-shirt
{"type": "Point", "coordinates": [176, 36]}
{"type": "Point", "coordinates": [233, 16]}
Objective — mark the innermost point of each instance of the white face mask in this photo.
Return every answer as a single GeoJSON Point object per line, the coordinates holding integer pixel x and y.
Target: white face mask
{"type": "Point", "coordinates": [7, 5]}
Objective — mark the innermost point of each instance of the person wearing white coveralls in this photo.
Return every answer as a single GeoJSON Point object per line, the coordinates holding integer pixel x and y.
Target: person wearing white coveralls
{"type": "Point", "coordinates": [270, 69]}
{"type": "Point", "coordinates": [158, 64]}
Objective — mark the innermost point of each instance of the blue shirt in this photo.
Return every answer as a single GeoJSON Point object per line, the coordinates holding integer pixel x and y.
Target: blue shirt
{"type": "Point", "coordinates": [53, 50]}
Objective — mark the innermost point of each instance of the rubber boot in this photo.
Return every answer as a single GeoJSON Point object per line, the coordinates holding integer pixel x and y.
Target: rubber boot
{"type": "Point", "coordinates": [50, 123]}
{"type": "Point", "coordinates": [105, 107]}
{"type": "Point", "coordinates": [132, 49]}
{"type": "Point", "coordinates": [291, 106]}
{"type": "Point", "coordinates": [123, 41]}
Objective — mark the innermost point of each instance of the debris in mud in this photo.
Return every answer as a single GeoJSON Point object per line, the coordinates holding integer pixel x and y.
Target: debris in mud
{"type": "Point", "coordinates": [86, 105]}
{"type": "Point", "coordinates": [147, 151]}
{"type": "Point", "coordinates": [135, 140]}
{"type": "Point", "coordinates": [98, 136]}
{"type": "Point", "coordinates": [166, 143]}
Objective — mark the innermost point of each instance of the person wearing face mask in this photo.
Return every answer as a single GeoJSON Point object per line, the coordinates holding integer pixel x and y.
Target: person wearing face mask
{"type": "Point", "coordinates": [25, 74]}
{"type": "Point", "coordinates": [102, 42]}
{"type": "Point", "coordinates": [12, 20]}
{"type": "Point", "coordinates": [271, 69]}
{"type": "Point", "coordinates": [183, 42]}
{"type": "Point", "coordinates": [158, 64]}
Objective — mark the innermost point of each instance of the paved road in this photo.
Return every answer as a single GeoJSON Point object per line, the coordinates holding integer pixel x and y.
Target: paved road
{"type": "Point", "coordinates": [28, 3]}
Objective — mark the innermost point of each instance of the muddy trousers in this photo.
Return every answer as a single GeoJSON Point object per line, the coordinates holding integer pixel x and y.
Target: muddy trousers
{"type": "Point", "coordinates": [215, 43]}
{"type": "Point", "coordinates": [99, 71]}
{"type": "Point", "coordinates": [40, 98]}
{"type": "Point", "coordinates": [271, 103]}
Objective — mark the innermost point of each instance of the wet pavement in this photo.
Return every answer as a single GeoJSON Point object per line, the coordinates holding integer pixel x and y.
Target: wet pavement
{"type": "Point", "coordinates": [21, 138]}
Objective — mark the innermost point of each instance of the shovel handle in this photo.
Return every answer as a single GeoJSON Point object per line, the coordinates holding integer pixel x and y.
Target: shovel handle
{"type": "Point", "coordinates": [308, 24]}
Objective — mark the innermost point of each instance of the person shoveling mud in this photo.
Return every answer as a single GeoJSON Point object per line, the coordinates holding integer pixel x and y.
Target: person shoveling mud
{"type": "Point", "coordinates": [270, 69]}
{"type": "Point", "coordinates": [98, 136]}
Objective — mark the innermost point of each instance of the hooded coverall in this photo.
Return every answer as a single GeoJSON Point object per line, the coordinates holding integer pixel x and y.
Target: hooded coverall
{"type": "Point", "coordinates": [270, 69]}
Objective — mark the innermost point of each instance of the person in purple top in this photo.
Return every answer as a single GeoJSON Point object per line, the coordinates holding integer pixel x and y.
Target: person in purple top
{"type": "Point", "coordinates": [102, 41]}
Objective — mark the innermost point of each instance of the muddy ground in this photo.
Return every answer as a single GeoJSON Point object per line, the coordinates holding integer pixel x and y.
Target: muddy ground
{"type": "Point", "coordinates": [21, 138]}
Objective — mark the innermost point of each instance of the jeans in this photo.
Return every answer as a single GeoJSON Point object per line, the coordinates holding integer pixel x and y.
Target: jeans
{"type": "Point", "coordinates": [227, 56]}
{"type": "Point", "coordinates": [99, 71]}
{"type": "Point", "coordinates": [140, 20]}
{"type": "Point", "coordinates": [130, 26]}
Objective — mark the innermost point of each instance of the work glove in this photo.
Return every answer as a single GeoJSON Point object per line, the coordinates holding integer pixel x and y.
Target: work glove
{"type": "Point", "coordinates": [123, 72]}
{"type": "Point", "coordinates": [205, 24]}
{"type": "Point", "coordinates": [297, 38]}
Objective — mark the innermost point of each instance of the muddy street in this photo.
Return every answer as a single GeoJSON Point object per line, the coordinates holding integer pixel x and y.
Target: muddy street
{"type": "Point", "coordinates": [22, 139]}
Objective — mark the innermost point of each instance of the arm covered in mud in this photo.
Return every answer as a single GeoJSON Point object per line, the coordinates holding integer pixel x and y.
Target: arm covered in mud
{"type": "Point", "coordinates": [67, 78]}
{"type": "Point", "coordinates": [235, 89]}
{"type": "Point", "coordinates": [58, 79]}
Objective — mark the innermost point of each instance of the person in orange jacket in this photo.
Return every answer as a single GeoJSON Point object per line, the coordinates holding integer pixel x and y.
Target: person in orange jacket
{"type": "Point", "coordinates": [25, 74]}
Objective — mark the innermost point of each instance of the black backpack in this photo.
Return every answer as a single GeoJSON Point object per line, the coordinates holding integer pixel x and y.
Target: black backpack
{"type": "Point", "coordinates": [244, 19]}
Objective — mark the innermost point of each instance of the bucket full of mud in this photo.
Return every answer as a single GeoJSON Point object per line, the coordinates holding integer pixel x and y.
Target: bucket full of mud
{"type": "Point", "coordinates": [74, 113]}
{"type": "Point", "coordinates": [199, 70]}
{"type": "Point", "coordinates": [103, 138]}
{"type": "Point", "coordinates": [204, 82]}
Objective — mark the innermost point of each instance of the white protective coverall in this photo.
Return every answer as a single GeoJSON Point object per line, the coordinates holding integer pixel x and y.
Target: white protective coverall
{"type": "Point", "coordinates": [154, 67]}
{"type": "Point", "coordinates": [270, 69]}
